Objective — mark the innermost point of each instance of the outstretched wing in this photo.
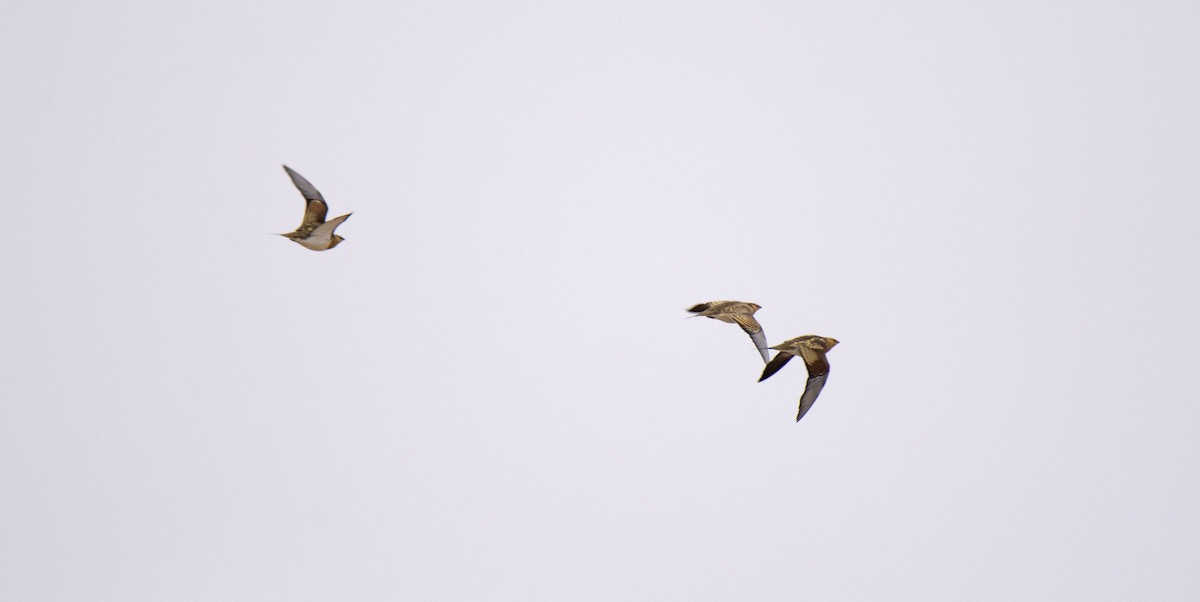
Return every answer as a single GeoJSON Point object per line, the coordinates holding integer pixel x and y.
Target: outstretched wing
{"type": "Point", "coordinates": [774, 365]}
{"type": "Point", "coordinates": [306, 188]}
{"type": "Point", "coordinates": [752, 328]}
{"type": "Point", "coordinates": [316, 208]}
{"type": "Point", "coordinates": [811, 391]}
{"type": "Point", "coordinates": [326, 229]}
{"type": "Point", "coordinates": [818, 371]}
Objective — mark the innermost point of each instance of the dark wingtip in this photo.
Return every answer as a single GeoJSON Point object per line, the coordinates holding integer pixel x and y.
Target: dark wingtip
{"type": "Point", "coordinates": [774, 365]}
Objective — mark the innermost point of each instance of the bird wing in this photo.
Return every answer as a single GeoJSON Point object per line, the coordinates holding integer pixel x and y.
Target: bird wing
{"type": "Point", "coordinates": [760, 341]}
{"type": "Point", "coordinates": [811, 390]}
{"type": "Point", "coordinates": [814, 359]}
{"type": "Point", "coordinates": [774, 365]}
{"type": "Point", "coordinates": [314, 215]}
{"type": "Point", "coordinates": [818, 372]}
{"type": "Point", "coordinates": [754, 329]}
{"type": "Point", "coordinates": [306, 188]}
{"type": "Point", "coordinates": [326, 229]}
{"type": "Point", "coordinates": [720, 307]}
{"type": "Point", "coordinates": [315, 207]}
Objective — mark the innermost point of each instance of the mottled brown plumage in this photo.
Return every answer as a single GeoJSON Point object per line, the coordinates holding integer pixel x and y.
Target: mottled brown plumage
{"type": "Point", "coordinates": [314, 232]}
{"type": "Point", "coordinates": [736, 312]}
{"type": "Point", "coordinates": [811, 348]}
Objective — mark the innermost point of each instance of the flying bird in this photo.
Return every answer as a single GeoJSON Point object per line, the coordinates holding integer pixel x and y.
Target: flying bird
{"type": "Point", "coordinates": [314, 232]}
{"type": "Point", "coordinates": [812, 349]}
{"type": "Point", "coordinates": [736, 312]}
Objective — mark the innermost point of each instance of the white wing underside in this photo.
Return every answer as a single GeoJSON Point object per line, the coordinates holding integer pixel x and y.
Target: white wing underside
{"type": "Point", "coordinates": [760, 341]}
{"type": "Point", "coordinates": [326, 229]}
{"type": "Point", "coordinates": [323, 234]}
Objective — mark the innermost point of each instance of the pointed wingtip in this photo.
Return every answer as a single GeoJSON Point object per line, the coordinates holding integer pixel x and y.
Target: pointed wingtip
{"type": "Point", "coordinates": [766, 373]}
{"type": "Point", "coordinates": [760, 342]}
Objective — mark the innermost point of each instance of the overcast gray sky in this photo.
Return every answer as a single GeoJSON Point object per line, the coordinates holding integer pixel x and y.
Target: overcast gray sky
{"type": "Point", "coordinates": [489, 391]}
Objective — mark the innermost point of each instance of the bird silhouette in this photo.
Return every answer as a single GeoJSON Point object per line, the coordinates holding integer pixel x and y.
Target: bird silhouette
{"type": "Point", "coordinates": [812, 349]}
{"type": "Point", "coordinates": [314, 232]}
{"type": "Point", "coordinates": [736, 312]}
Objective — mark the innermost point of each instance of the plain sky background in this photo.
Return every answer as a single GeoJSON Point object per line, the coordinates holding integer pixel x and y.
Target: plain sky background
{"type": "Point", "coordinates": [489, 391]}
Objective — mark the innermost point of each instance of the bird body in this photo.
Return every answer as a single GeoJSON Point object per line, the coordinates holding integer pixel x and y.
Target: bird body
{"type": "Point", "coordinates": [812, 349]}
{"type": "Point", "coordinates": [320, 238]}
{"type": "Point", "coordinates": [736, 312]}
{"type": "Point", "coordinates": [314, 232]}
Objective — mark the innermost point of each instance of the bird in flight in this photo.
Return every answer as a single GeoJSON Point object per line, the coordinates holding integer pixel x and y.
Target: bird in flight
{"type": "Point", "coordinates": [314, 232]}
{"type": "Point", "coordinates": [812, 349]}
{"type": "Point", "coordinates": [736, 312]}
